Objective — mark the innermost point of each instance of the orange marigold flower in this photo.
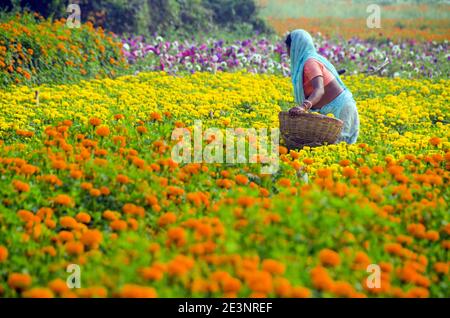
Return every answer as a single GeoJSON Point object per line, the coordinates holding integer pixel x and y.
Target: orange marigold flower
{"type": "Point", "coordinates": [435, 141]}
{"type": "Point", "coordinates": [284, 182]}
{"type": "Point", "coordinates": [133, 223]}
{"type": "Point", "coordinates": [343, 289]}
{"type": "Point", "coordinates": [156, 116]}
{"type": "Point", "coordinates": [273, 267]}
{"type": "Point", "coordinates": [324, 173]}
{"type": "Point", "coordinates": [83, 217]}
{"type": "Point", "coordinates": [441, 268]}
{"type": "Point", "coordinates": [446, 244]}
{"type": "Point", "coordinates": [102, 131]}
{"type": "Point", "coordinates": [65, 236]}
{"type": "Point", "coordinates": [74, 248]}
{"type": "Point", "coordinates": [260, 282]}
{"type": "Point", "coordinates": [93, 291]}
{"type": "Point", "coordinates": [176, 235]}
{"type": "Point", "coordinates": [329, 257]}
{"type": "Point", "coordinates": [393, 248]}
{"type": "Point", "coordinates": [63, 199]}
{"type": "Point", "coordinates": [25, 216]}
{"type": "Point", "coordinates": [362, 258]}
{"type": "Point", "coordinates": [320, 279]}
{"type": "Point", "coordinates": [118, 225]}
{"type": "Point", "coordinates": [282, 150]}
{"type": "Point", "coordinates": [300, 292]}
{"type": "Point", "coordinates": [86, 186]}
{"type": "Point", "coordinates": [282, 287]}
{"type": "Point", "coordinates": [111, 215]}
{"type": "Point", "coordinates": [21, 186]}
{"type": "Point", "coordinates": [180, 265]}
{"type": "Point", "coordinates": [142, 129]}
{"type": "Point", "coordinates": [68, 222]}
{"type": "Point", "coordinates": [76, 174]}
{"type": "Point", "coordinates": [122, 179]}
{"type": "Point", "coordinates": [151, 199]}
{"type": "Point", "coordinates": [241, 179]}
{"type": "Point", "coordinates": [3, 253]}
{"type": "Point", "coordinates": [432, 235]}
{"type": "Point", "coordinates": [28, 169]}
{"type": "Point", "coordinates": [95, 121]}
{"type": "Point", "coordinates": [105, 190]}
{"type": "Point", "coordinates": [154, 247]}
{"type": "Point", "coordinates": [231, 285]}
{"type": "Point", "coordinates": [130, 208]}
{"type": "Point", "coordinates": [92, 238]}
{"type": "Point", "coordinates": [386, 267]}
{"type": "Point", "coordinates": [417, 230]}
{"type": "Point", "coordinates": [152, 273]}
{"type": "Point", "coordinates": [19, 281]}
{"type": "Point", "coordinates": [38, 293]}
{"type": "Point", "coordinates": [245, 201]}
{"type": "Point", "coordinates": [417, 292]}
{"type": "Point", "coordinates": [167, 218]}
{"type": "Point", "coordinates": [58, 286]}
{"type": "Point", "coordinates": [136, 291]}
{"type": "Point", "coordinates": [50, 250]}
{"type": "Point", "coordinates": [404, 239]}
{"type": "Point", "coordinates": [95, 192]}
{"type": "Point", "coordinates": [344, 163]}
{"type": "Point", "coordinates": [348, 172]}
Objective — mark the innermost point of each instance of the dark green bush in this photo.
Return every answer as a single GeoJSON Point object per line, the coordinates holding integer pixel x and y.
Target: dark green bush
{"type": "Point", "coordinates": [147, 17]}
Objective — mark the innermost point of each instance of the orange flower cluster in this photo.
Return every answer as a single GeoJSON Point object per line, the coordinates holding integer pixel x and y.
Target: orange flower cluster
{"type": "Point", "coordinates": [31, 41]}
{"type": "Point", "coordinates": [420, 29]}
{"type": "Point", "coordinates": [141, 225]}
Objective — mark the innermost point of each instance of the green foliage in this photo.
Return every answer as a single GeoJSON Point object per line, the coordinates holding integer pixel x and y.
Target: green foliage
{"type": "Point", "coordinates": [146, 17]}
{"type": "Point", "coordinates": [34, 50]}
{"type": "Point", "coordinates": [233, 14]}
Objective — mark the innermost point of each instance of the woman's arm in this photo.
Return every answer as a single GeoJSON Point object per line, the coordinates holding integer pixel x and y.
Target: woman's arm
{"type": "Point", "coordinates": [313, 99]}
{"type": "Point", "coordinates": [317, 94]}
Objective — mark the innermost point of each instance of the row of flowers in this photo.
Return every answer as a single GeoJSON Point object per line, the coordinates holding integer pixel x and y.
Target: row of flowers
{"type": "Point", "coordinates": [34, 50]}
{"type": "Point", "coordinates": [407, 59]}
{"type": "Point", "coordinates": [87, 178]}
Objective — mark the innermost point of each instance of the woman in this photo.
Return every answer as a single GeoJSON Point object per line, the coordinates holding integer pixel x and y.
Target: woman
{"type": "Point", "coordinates": [317, 85]}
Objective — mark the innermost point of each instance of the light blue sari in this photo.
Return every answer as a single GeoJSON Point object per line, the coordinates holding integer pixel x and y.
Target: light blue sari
{"type": "Point", "coordinates": [343, 106]}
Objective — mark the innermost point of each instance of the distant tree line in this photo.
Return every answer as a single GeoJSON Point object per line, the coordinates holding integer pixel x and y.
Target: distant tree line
{"type": "Point", "coordinates": [154, 16]}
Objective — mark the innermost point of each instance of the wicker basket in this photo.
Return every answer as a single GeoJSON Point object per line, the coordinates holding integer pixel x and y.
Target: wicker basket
{"type": "Point", "coordinates": [306, 129]}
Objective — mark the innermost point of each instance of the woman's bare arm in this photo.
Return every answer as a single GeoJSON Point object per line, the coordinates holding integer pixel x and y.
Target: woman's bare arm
{"type": "Point", "coordinates": [319, 91]}
{"type": "Point", "coordinates": [313, 99]}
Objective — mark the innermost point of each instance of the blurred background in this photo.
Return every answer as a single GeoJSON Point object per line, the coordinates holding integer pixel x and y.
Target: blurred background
{"type": "Point", "coordinates": [147, 17]}
{"type": "Point", "coordinates": [247, 17]}
{"type": "Point", "coordinates": [37, 44]}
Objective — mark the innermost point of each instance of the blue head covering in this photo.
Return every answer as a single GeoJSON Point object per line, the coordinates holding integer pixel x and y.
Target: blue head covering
{"type": "Point", "coordinates": [302, 49]}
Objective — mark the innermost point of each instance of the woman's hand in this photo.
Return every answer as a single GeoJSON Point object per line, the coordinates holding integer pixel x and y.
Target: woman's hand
{"type": "Point", "coordinates": [297, 110]}
{"type": "Point", "coordinates": [307, 105]}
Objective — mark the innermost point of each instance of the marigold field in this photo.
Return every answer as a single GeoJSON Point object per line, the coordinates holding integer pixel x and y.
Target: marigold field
{"type": "Point", "coordinates": [86, 177]}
